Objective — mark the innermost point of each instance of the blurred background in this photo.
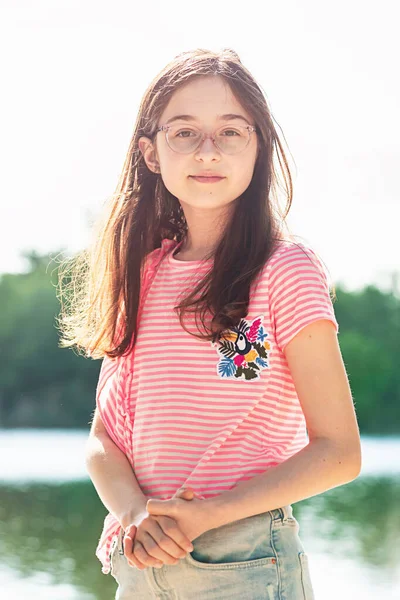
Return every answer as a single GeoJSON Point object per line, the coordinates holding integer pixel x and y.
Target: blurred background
{"type": "Point", "coordinates": [73, 74]}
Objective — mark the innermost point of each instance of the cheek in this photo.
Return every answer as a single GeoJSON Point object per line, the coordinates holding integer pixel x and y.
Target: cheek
{"type": "Point", "coordinates": [174, 173]}
{"type": "Point", "coordinates": [243, 172]}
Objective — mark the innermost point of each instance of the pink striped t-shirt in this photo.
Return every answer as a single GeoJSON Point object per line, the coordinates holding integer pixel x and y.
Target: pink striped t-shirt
{"type": "Point", "coordinates": [187, 411]}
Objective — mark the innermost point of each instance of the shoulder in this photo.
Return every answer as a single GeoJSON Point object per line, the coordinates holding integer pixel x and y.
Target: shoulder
{"type": "Point", "coordinates": [292, 269]}
{"type": "Point", "coordinates": [289, 252]}
{"type": "Point", "coordinates": [294, 259]}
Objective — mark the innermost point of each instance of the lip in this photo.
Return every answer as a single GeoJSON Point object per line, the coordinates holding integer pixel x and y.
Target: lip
{"type": "Point", "coordinates": [207, 174]}
{"type": "Point", "coordinates": [207, 178]}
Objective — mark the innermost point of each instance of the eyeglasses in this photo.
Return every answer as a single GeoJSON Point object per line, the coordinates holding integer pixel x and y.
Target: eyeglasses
{"type": "Point", "coordinates": [228, 139]}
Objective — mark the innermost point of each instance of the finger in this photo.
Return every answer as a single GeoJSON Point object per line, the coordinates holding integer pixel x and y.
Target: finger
{"type": "Point", "coordinates": [133, 561]}
{"type": "Point", "coordinates": [159, 507]}
{"type": "Point", "coordinates": [170, 528]}
{"type": "Point", "coordinates": [141, 553]}
{"type": "Point", "coordinates": [160, 545]}
{"type": "Point", "coordinates": [128, 544]}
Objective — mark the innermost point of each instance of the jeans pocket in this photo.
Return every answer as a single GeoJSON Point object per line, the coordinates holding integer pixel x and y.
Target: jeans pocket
{"type": "Point", "coordinates": [241, 564]}
{"type": "Point", "coordinates": [305, 577]}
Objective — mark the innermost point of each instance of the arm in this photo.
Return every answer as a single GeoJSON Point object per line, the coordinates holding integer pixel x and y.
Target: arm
{"type": "Point", "coordinates": [124, 499]}
{"type": "Point", "coordinates": [106, 463]}
{"type": "Point", "coordinates": [333, 455]}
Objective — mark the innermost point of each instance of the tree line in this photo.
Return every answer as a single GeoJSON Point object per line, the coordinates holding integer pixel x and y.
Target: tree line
{"type": "Point", "coordinates": [43, 385]}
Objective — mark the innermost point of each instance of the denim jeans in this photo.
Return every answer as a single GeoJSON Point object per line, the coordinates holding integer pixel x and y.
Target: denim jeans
{"type": "Point", "coordinates": [256, 558]}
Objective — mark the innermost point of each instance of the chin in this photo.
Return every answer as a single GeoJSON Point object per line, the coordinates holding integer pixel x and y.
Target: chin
{"type": "Point", "coordinates": [207, 201]}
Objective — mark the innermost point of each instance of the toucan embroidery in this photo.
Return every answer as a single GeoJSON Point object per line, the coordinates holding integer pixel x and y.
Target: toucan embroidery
{"type": "Point", "coordinates": [243, 350]}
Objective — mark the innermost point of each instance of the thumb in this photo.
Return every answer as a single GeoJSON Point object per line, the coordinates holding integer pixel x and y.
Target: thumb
{"type": "Point", "coordinates": [129, 536]}
{"type": "Point", "coordinates": [130, 532]}
{"type": "Point", "coordinates": [185, 493]}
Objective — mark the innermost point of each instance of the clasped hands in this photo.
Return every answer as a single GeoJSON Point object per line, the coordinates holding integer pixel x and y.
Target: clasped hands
{"type": "Point", "coordinates": [162, 534]}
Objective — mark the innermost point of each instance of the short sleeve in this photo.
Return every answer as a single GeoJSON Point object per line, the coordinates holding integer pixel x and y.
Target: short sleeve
{"type": "Point", "coordinates": [110, 399]}
{"type": "Point", "coordinates": [298, 292]}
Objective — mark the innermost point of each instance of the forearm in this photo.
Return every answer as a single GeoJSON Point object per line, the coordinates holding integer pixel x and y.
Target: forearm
{"type": "Point", "coordinates": [114, 479]}
{"type": "Point", "coordinates": [318, 467]}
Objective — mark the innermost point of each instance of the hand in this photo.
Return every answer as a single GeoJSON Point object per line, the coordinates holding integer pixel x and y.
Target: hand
{"type": "Point", "coordinates": [192, 518]}
{"type": "Point", "coordinates": [151, 541]}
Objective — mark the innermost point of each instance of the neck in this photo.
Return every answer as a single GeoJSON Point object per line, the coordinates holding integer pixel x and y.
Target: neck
{"type": "Point", "coordinates": [205, 229]}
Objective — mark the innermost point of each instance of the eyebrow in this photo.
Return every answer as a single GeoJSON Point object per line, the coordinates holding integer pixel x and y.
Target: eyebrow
{"type": "Point", "coordinates": [227, 117]}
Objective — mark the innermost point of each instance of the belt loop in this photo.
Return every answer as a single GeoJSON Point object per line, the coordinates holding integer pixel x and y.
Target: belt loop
{"type": "Point", "coordinates": [282, 514]}
{"type": "Point", "coordinates": [121, 540]}
{"type": "Point", "coordinates": [276, 514]}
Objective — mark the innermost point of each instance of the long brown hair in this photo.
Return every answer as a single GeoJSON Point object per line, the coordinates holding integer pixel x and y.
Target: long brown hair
{"type": "Point", "coordinates": [100, 288]}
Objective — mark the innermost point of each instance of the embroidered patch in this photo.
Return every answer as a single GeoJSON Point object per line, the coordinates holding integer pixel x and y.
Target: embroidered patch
{"type": "Point", "coordinates": [244, 350]}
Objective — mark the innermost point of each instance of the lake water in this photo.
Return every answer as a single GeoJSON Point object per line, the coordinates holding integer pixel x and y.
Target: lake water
{"type": "Point", "coordinates": [51, 519]}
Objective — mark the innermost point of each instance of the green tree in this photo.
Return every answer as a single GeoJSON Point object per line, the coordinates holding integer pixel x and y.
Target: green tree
{"type": "Point", "coordinates": [40, 383]}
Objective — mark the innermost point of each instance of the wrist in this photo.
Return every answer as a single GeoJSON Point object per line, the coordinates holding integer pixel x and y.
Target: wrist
{"type": "Point", "coordinates": [132, 513]}
{"type": "Point", "coordinates": [216, 512]}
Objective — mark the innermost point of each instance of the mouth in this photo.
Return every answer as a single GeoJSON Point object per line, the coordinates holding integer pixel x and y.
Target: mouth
{"type": "Point", "coordinates": [206, 178]}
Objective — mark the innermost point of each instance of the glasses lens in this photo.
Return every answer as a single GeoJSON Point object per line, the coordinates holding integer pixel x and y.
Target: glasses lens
{"type": "Point", "coordinates": [183, 139]}
{"type": "Point", "coordinates": [232, 139]}
{"type": "Point", "coordinates": [229, 139]}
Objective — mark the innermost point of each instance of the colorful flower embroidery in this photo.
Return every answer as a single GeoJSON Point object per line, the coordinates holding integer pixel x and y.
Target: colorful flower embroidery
{"type": "Point", "coordinates": [243, 350]}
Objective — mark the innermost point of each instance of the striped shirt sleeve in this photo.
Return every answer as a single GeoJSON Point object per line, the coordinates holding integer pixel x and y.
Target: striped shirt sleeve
{"type": "Point", "coordinates": [298, 292]}
{"type": "Point", "coordinates": [109, 398]}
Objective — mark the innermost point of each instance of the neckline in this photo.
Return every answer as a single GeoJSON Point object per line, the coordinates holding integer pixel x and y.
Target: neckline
{"type": "Point", "coordinates": [185, 263]}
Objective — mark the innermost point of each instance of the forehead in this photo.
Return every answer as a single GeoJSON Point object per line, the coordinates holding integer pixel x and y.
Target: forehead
{"type": "Point", "coordinates": [205, 98]}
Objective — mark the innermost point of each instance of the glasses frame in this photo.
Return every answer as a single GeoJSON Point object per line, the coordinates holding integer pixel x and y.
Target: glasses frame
{"type": "Point", "coordinates": [250, 128]}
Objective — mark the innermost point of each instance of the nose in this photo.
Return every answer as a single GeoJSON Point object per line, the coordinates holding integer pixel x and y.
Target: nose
{"type": "Point", "coordinates": [207, 148]}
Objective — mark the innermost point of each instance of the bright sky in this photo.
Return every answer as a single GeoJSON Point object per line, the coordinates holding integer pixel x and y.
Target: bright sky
{"type": "Point", "coordinates": [74, 72]}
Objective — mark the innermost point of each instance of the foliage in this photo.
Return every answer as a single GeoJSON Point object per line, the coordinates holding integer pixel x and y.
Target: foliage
{"type": "Point", "coordinates": [40, 383]}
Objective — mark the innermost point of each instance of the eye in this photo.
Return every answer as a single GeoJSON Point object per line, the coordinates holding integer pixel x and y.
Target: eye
{"type": "Point", "coordinates": [184, 131]}
{"type": "Point", "coordinates": [231, 132]}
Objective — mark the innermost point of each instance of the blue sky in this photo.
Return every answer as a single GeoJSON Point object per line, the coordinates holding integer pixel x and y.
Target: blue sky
{"type": "Point", "coordinates": [74, 72]}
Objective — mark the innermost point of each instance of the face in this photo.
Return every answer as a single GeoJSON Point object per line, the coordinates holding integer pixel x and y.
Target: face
{"type": "Point", "coordinates": [204, 99]}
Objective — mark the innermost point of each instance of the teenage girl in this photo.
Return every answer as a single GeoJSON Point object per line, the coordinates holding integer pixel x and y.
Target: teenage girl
{"type": "Point", "coordinates": [222, 397]}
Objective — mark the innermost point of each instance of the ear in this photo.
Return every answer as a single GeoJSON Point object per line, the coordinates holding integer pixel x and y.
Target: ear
{"type": "Point", "coordinates": [149, 152]}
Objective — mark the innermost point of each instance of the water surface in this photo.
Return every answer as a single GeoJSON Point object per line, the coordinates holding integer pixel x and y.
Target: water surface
{"type": "Point", "coordinates": [51, 519]}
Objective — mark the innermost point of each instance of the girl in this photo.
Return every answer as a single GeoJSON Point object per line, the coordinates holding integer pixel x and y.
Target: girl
{"type": "Point", "coordinates": [222, 397]}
